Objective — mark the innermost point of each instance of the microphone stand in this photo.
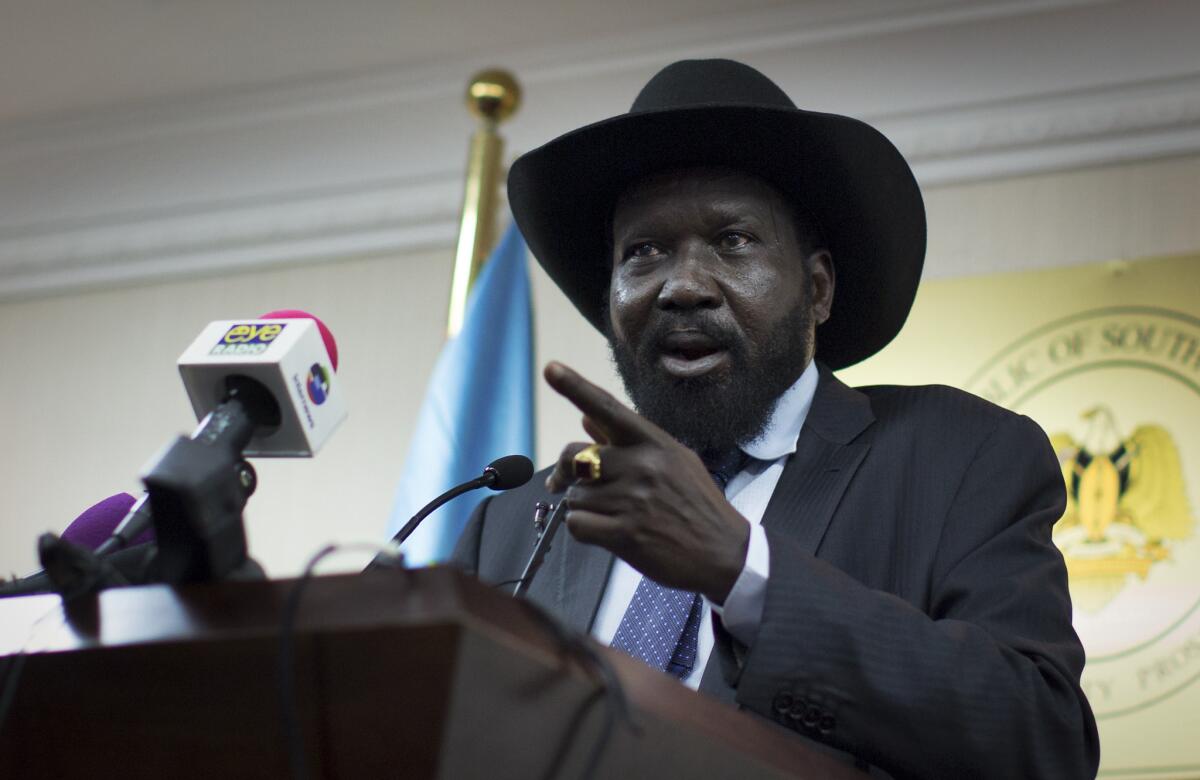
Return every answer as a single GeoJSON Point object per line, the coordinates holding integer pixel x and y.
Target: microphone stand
{"type": "Point", "coordinates": [197, 490]}
{"type": "Point", "coordinates": [195, 493]}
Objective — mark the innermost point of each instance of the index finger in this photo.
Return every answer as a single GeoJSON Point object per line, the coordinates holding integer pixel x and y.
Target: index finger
{"type": "Point", "coordinates": [618, 423]}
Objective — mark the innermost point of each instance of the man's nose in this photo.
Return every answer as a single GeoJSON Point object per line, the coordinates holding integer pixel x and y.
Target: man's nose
{"type": "Point", "coordinates": [690, 283]}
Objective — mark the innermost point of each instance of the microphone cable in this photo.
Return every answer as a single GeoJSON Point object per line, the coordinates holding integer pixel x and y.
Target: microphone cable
{"type": "Point", "coordinates": [11, 677]}
{"type": "Point", "coordinates": [289, 718]}
{"type": "Point", "coordinates": [617, 709]}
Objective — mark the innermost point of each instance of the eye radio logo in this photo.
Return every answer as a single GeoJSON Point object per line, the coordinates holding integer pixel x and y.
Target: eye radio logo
{"type": "Point", "coordinates": [317, 384]}
{"type": "Point", "coordinates": [248, 339]}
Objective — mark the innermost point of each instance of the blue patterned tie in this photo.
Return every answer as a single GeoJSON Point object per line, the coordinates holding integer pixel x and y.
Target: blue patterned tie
{"type": "Point", "coordinates": [662, 625]}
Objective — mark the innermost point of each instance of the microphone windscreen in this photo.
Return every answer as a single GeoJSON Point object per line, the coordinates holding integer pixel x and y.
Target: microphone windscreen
{"type": "Point", "coordinates": [297, 314]}
{"type": "Point", "coordinates": [96, 523]}
{"type": "Point", "coordinates": [511, 471]}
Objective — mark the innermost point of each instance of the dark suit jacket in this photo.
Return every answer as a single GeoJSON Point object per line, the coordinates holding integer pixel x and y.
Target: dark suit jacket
{"type": "Point", "coordinates": [917, 614]}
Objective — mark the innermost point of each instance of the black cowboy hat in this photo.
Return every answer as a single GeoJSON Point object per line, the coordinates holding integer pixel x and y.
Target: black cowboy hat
{"type": "Point", "coordinates": [843, 172]}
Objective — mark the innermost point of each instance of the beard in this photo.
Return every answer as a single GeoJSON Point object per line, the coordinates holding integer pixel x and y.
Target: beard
{"type": "Point", "coordinates": [716, 412]}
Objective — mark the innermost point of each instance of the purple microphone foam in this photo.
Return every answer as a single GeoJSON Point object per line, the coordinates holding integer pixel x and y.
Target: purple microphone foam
{"type": "Point", "coordinates": [97, 522]}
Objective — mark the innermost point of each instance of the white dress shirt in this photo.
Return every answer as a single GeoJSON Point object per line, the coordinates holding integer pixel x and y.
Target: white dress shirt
{"type": "Point", "coordinates": [748, 491]}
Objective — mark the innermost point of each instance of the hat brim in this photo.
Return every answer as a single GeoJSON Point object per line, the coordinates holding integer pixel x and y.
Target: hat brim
{"type": "Point", "coordinates": [844, 172]}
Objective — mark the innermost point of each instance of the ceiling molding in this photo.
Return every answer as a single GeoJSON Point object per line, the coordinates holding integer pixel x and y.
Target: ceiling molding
{"type": "Point", "coordinates": [306, 172]}
{"type": "Point", "coordinates": [1051, 131]}
{"type": "Point", "coordinates": [156, 245]}
{"type": "Point", "coordinates": [738, 35]}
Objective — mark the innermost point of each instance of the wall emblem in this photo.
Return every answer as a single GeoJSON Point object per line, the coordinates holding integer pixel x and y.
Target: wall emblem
{"type": "Point", "coordinates": [1126, 504]}
{"type": "Point", "coordinates": [1118, 392]}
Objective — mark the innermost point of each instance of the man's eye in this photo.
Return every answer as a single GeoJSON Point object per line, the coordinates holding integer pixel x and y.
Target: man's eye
{"type": "Point", "coordinates": [733, 239]}
{"type": "Point", "coordinates": [644, 249]}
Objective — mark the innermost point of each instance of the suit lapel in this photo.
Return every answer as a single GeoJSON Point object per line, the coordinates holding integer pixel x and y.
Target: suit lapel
{"type": "Point", "coordinates": [572, 580]}
{"type": "Point", "coordinates": [828, 453]}
{"type": "Point", "coordinates": [585, 570]}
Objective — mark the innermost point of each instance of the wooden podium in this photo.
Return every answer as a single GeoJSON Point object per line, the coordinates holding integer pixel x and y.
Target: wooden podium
{"type": "Point", "coordinates": [418, 674]}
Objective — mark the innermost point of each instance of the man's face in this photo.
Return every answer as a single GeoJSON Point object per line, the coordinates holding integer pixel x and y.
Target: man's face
{"type": "Point", "coordinates": [712, 305]}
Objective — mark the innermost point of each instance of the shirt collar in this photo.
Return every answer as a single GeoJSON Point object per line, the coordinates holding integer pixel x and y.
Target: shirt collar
{"type": "Point", "coordinates": [782, 431]}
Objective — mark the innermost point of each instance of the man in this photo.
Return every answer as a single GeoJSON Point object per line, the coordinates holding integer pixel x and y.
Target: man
{"type": "Point", "coordinates": [870, 568]}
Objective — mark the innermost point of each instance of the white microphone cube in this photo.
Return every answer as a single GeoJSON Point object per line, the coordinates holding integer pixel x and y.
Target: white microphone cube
{"type": "Point", "coordinates": [287, 357]}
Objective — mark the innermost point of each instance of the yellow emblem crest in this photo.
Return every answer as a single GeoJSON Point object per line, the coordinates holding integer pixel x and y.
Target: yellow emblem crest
{"type": "Point", "coordinates": [1125, 503]}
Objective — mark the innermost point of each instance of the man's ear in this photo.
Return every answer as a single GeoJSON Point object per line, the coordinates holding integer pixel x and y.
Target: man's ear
{"type": "Point", "coordinates": [823, 280]}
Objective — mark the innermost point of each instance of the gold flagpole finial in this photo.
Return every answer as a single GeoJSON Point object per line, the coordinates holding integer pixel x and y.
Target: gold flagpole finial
{"type": "Point", "coordinates": [492, 96]}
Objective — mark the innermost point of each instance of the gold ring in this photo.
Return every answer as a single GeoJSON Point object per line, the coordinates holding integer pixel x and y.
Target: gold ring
{"type": "Point", "coordinates": [587, 463]}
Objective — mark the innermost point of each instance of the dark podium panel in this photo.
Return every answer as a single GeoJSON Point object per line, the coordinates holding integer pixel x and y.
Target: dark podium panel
{"type": "Point", "coordinates": [397, 674]}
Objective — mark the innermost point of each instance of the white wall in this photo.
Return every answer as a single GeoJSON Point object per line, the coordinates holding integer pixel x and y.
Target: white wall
{"type": "Point", "coordinates": [92, 390]}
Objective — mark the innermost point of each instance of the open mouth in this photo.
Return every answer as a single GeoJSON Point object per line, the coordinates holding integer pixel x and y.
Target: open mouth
{"type": "Point", "coordinates": [690, 353]}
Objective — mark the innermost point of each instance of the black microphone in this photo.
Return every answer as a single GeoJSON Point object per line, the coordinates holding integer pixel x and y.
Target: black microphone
{"type": "Point", "coordinates": [557, 517]}
{"type": "Point", "coordinates": [501, 474]}
{"type": "Point", "coordinates": [507, 473]}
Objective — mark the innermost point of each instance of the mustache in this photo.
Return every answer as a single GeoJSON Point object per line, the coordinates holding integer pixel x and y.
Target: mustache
{"type": "Point", "coordinates": [653, 338]}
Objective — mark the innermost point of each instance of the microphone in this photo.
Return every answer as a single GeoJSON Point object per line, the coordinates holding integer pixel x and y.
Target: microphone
{"type": "Point", "coordinates": [503, 473]}
{"type": "Point", "coordinates": [507, 473]}
{"type": "Point", "coordinates": [243, 379]}
{"type": "Point", "coordinates": [326, 335]}
{"type": "Point", "coordinates": [98, 522]}
{"type": "Point", "coordinates": [540, 549]}
{"type": "Point", "coordinates": [262, 387]}
{"type": "Point", "coordinates": [72, 562]}
{"type": "Point", "coordinates": [86, 532]}
{"type": "Point", "coordinates": [214, 387]}
{"type": "Point", "coordinates": [134, 528]}
{"type": "Point", "coordinates": [283, 365]}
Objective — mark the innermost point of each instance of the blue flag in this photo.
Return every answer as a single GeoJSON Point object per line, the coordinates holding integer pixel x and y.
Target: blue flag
{"type": "Point", "coordinates": [478, 405]}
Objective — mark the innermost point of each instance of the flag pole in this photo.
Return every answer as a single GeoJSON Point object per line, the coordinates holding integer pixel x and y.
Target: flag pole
{"type": "Point", "coordinates": [492, 96]}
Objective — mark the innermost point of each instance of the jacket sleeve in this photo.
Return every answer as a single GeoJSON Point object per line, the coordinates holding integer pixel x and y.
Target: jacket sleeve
{"type": "Point", "coordinates": [983, 684]}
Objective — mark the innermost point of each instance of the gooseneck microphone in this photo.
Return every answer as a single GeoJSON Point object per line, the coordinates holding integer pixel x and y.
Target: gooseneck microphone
{"type": "Point", "coordinates": [507, 473]}
{"type": "Point", "coordinates": [503, 473]}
